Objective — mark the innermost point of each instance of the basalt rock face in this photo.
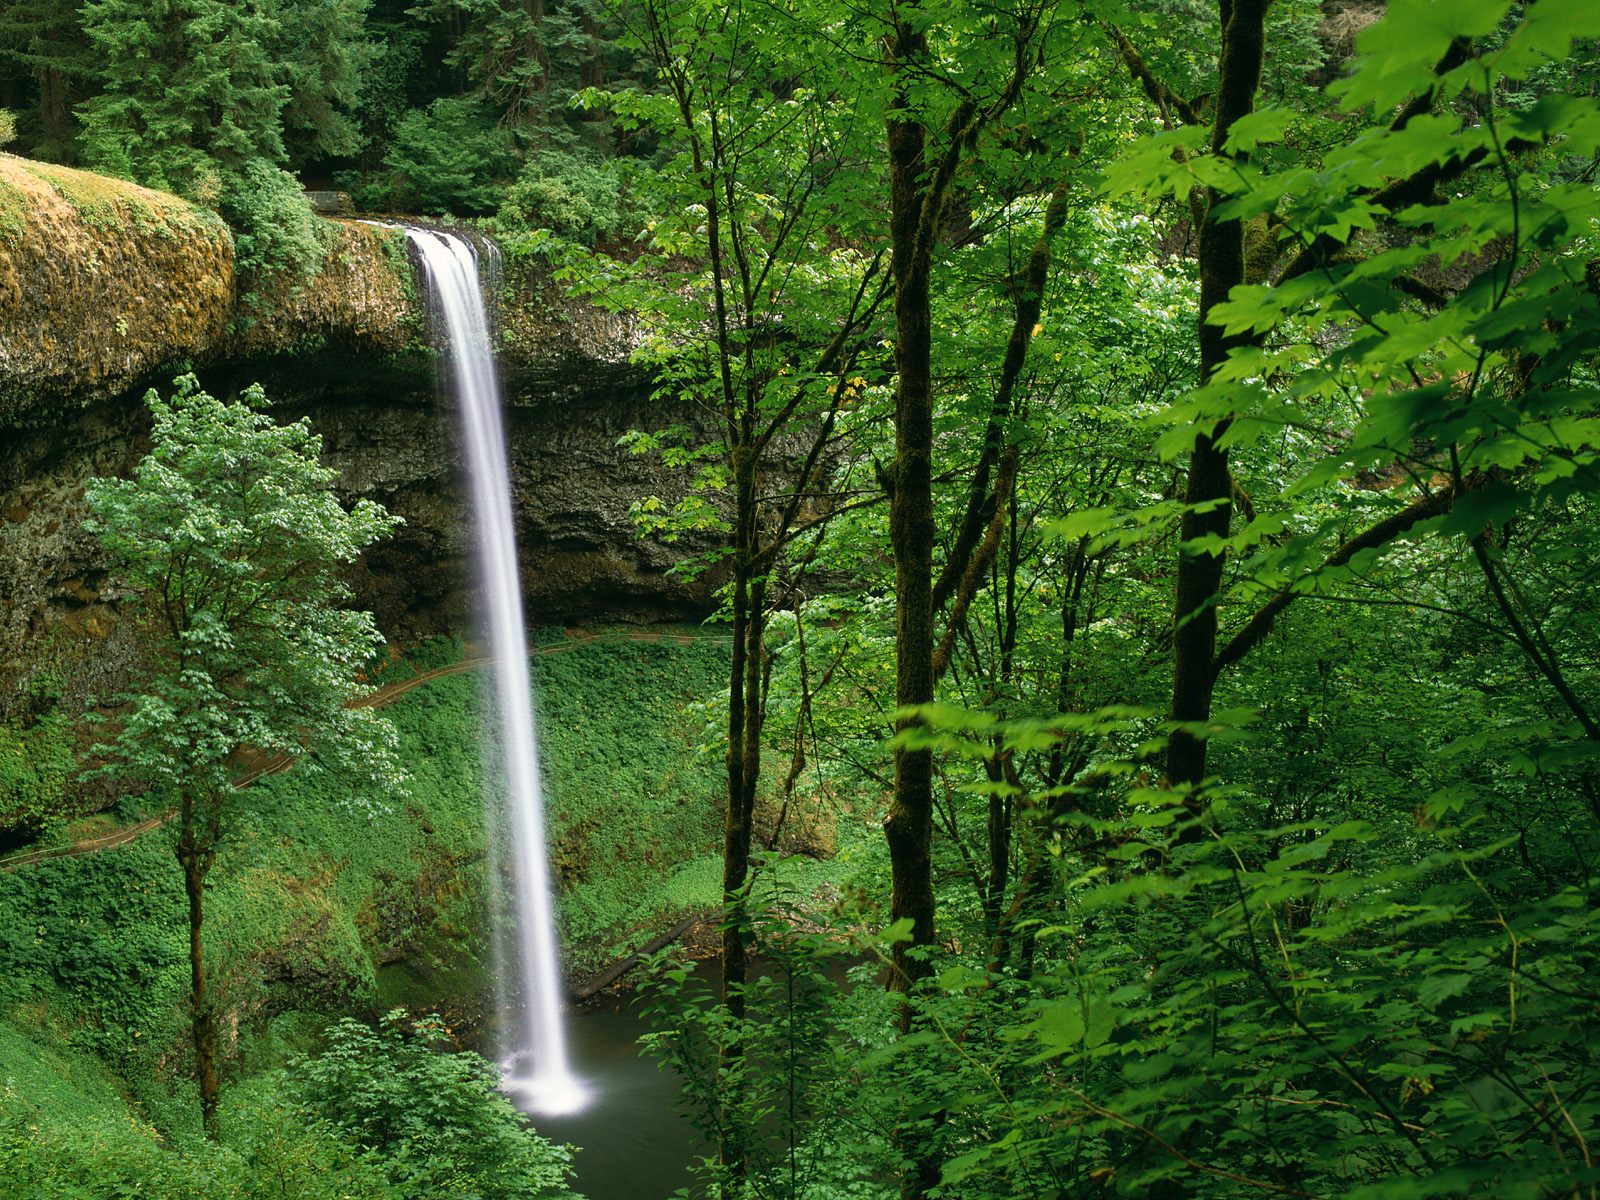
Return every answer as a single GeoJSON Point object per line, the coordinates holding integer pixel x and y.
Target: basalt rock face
{"type": "Point", "coordinates": [78, 346]}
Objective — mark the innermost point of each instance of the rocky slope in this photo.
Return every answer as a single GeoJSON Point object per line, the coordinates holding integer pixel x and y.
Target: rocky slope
{"type": "Point", "coordinates": [107, 289]}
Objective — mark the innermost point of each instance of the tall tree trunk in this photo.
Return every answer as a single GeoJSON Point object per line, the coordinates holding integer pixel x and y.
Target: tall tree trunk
{"type": "Point", "coordinates": [54, 114]}
{"type": "Point", "coordinates": [195, 852]}
{"type": "Point", "coordinates": [1222, 267]}
{"type": "Point", "coordinates": [998, 830]}
{"type": "Point", "coordinates": [743, 771]}
{"type": "Point", "coordinates": [735, 872]}
{"type": "Point", "coordinates": [909, 826]}
{"type": "Point", "coordinates": [736, 831]}
{"type": "Point", "coordinates": [1210, 483]}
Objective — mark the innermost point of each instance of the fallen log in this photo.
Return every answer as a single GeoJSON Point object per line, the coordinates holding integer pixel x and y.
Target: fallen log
{"type": "Point", "coordinates": [629, 961]}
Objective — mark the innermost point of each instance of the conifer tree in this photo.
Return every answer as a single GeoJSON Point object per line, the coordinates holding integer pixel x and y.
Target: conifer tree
{"type": "Point", "coordinates": [190, 86]}
{"type": "Point", "coordinates": [325, 53]}
{"type": "Point", "coordinates": [46, 39]}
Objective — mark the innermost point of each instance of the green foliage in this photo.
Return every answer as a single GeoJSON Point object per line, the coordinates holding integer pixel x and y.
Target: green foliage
{"type": "Point", "coordinates": [66, 1132]}
{"type": "Point", "coordinates": [394, 69]}
{"type": "Point", "coordinates": [207, 99]}
{"type": "Point", "coordinates": [232, 542]}
{"type": "Point", "coordinates": [46, 1160]}
{"type": "Point", "coordinates": [625, 799]}
{"type": "Point", "coordinates": [8, 127]}
{"type": "Point", "coordinates": [527, 61]}
{"type": "Point", "coordinates": [308, 896]}
{"type": "Point", "coordinates": [788, 1086]}
{"type": "Point", "coordinates": [281, 1149]}
{"type": "Point", "coordinates": [1355, 961]}
{"type": "Point", "coordinates": [198, 86]}
{"type": "Point", "coordinates": [1263, 987]}
{"type": "Point", "coordinates": [410, 890]}
{"type": "Point", "coordinates": [574, 196]}
{"type": "Point", "coordinates": [36, 762]}
{"type": "Point", "coordinates": [450, 157]}
{"type": "Point", "coordinates": [232, 539]}
{"type": "Point", "coordinates": [184, 95]}
{"type": "Point", "coordinates": [188, 89]}
{"type": "Point", "coordinates": [103, 936]}
{"type": "Point", "coordinates": [325, 53]}
{"type": "Point", "coordinates": [436, 1121]}
{"type": "Point", "coordinates": [277, 237]}
{"type": "Point", "coordinates": [314, 910]}
{"type": "Point", "coordinates": [44, 40]}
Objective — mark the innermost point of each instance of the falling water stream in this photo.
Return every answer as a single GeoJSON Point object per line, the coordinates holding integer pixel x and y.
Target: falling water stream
{"type": "Point", "coordinates": [533, 1055]}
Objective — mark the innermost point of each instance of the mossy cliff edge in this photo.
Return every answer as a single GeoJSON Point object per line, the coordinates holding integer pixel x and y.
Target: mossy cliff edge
{"type": "Point", "coordinates": [104, 284]}
{"type": "Point", "coordinates": [107, 287]}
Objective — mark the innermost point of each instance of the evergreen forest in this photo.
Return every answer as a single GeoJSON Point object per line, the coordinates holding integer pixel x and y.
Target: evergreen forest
{"type": "Point", "coordinates": [1061, 552]}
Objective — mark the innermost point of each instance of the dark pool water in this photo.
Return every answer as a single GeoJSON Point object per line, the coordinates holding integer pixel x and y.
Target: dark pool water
{"type": "Point", "coordinates": [634, 1140]}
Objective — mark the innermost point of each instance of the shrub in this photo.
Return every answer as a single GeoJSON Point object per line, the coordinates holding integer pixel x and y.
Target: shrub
{"type": "Point", "coordinates": [276, 235]}
{"type": "Point", "coordinates": [436, 1120]}
{"type": "Point", "coordinates": [577, 197]}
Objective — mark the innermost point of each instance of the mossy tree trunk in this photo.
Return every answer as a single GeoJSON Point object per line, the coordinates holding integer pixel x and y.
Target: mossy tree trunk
{"type": "Point", "coordinates": [909, 826]}
{"type": "Point", "coordinates": [919, 185]}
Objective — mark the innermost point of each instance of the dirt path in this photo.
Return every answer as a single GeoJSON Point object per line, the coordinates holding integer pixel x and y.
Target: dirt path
{"type": "Point", "coordinates": [387, 694]}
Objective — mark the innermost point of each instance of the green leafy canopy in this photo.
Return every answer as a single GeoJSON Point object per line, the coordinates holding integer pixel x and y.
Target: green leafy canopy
{"type": "Point", "coordinates": [232, 541]}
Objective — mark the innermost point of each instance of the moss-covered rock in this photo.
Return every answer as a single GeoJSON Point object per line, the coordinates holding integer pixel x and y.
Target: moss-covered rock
{"type": "Point", "coordinates": [101, 282]}
{"type": "Point", "coordinates": [362, 300]}
{"type": "Point", "coordinates": [106, 286]}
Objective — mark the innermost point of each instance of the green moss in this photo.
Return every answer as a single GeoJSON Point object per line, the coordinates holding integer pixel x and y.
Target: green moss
{"type": "Point", "coordinates": [105, 203]}
{"type": "Point", "coordinates": [56, 1080]}
{"type": "Point", "coordinates": [397, 250]}
{"type": "Point", "coordinates": [35, 764]}
{"type": "Point", "coordinates": [66, 1129]}
{"type": "Point", "coordinates": [13, 213]}
{"type": "Point", "coordinates": [630, 799]}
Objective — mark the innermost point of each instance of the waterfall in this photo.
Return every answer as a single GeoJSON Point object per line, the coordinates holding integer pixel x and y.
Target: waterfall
{"type": "Point", "coordinates": [534, 1048]}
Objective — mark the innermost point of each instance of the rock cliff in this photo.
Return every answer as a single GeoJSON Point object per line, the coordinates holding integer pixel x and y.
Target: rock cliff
{"type": "Point", "coordinates": [107, 289]}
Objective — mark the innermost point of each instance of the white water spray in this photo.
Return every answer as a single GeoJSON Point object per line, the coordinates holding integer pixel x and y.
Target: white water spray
{"type": "Point", "coordinates": [534, 1058]}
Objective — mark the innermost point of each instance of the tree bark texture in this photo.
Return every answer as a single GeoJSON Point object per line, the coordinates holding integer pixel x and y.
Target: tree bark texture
{"type": "Point", "coordinates": [745, 713]}
{"type": "Point", "coordinates": [55, 117]}
{"type": "Point", "coordinates": [909, 826]}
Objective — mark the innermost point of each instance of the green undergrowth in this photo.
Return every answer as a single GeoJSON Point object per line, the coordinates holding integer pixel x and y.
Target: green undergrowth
{"type": "Point", "coordinates": [35, 763]}
{"type": "Point", "coordinates": [632, 804]}
{"type": "Point", "coordinates": [633, 807]}
{"type": "Point", "coordinates": [319, 909]}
